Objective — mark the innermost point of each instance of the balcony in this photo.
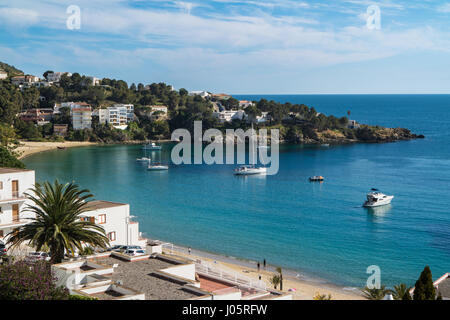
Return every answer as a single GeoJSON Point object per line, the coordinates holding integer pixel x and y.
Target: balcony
{"type": "Point", "coordinates": [14, 196]}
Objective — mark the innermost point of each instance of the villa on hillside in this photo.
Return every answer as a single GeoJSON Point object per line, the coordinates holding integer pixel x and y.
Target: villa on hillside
{"type": "Point", "coordinates": [352, 124]}
{"type": "Point", "coordinates": [24, 79]}
{"type": "Point", "coordinates": [60, 129]}
{"type": "Point", "coordinates": [442, 286]}
{"type": "Point", "coordinates": [245, 103]}
{"type": "Point", "coordinates": [221, 96]}
{"type": "Point", "coordinates": [38, 116]}
{"type": "Point", "coordinates": [81, 117]}
{"type": "Point", "coordinates": [229, 115]}
{"type": "Point", "coordinates": [3, 75]}
{"type": "Point", "coordinates": [119, 115]}
{"type": "Point", "coordinates": [203, 94]}
{"type": "Point", "coordinates": [56, 76]}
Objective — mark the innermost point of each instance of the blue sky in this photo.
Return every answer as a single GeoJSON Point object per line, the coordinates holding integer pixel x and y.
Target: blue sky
{"type": "Point", "coordinates": [237, 46]}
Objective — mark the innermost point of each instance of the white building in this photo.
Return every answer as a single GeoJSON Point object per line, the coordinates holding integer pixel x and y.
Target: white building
{"type": "Point", "coordinates": [352, 124]}
{"type": "Point", "coordinates": [81, 114]}
{"type": "Point", "coordinates": [118, 115]}
{"type": "Point", "coordinates": [245, 103]}
{"type": "Point", "coordinates": [3, 75]}
{"type": "Point", "coordinates": [116, 220]}
{"type": "Point", "coordinates": [13, 185]}
{"type": "Point", "coordinates": [93, 81]}
{"type": "Point", "coordinates": [56, 76]}
{"type": "Point", "coordinates": [25, 79]}
{"type": "Point", "coordinates": [229, 115]}
{"type": "Point", "coordinates": [202, 94]}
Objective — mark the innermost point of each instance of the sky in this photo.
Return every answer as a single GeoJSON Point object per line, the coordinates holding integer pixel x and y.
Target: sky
{"type": "Point", "coordinates": [237, 46]}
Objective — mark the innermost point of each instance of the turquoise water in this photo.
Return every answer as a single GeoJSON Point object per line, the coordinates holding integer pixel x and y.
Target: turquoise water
{"type": "Point", "coordinates": [318, 229]}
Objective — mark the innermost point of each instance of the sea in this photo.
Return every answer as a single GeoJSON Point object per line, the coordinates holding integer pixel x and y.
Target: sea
{"type": "Point", "coordinates": [317, 230]}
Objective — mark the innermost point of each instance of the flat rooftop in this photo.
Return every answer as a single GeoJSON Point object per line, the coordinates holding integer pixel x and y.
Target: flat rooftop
{"type": "Point", "coordinates": [12, 170]}
{"type": "Point", "coordinates": [139, 276]}
{"type": "Point", "coordinates": [444, 288]}
{"type": "Point", "coordinates": [101, 204]}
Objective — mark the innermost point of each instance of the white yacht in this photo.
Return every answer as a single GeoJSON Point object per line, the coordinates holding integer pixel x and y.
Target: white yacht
{"type": "Point", "coordinates": [249, 170]}
{"type": "Point", "coordinates": [151, 146]}
{"type": "Point", "coordinates": [156, 166]}
{"type": "Point", "coordinates": [375, 199]}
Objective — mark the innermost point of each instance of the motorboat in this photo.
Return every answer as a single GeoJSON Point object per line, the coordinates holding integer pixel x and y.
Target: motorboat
{"type": "Point", "coordinates": [151, 146]}
{"type": "Point", "coordinates": [249, 170]}
{"type": "Point", "coordinates": [316, 179]}
{"type": "Point", "coordinates": [157, 166]}
{"type": "Point", "coordinates": [375, 199]}
{"type": "Point", "coordinates": [143, 159]}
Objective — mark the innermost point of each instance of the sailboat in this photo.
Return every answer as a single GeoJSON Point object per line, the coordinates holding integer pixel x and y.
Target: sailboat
{"type": "Point", "coordinates": [249, 170]}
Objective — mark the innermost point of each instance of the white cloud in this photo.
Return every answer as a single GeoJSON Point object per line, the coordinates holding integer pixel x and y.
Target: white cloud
{"type": "Point", "coordinates": [18, 17]}
{"type": "Point", "coordinates": [444, 8]}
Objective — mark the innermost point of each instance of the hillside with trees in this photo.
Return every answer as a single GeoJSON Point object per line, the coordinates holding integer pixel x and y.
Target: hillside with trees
{"type": "Point", "coordinates": [298, 123]}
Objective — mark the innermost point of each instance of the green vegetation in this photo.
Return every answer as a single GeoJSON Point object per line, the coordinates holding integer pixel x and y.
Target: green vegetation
{"type": "Point", "coordinates": [298, 123]}
{"type": "Point", "coordinates": [29, 281]}
{"type": "Point", "coordinates": [424, 289]}
{"type": "Point", "coordinates": [58, 224]}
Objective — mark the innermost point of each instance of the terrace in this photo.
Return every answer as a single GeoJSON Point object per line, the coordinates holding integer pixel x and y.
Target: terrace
{"type": "Point", "coordinates": [154, 277]}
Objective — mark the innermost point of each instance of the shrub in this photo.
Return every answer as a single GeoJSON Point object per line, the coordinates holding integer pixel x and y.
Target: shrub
{"type": "Point", "coordinates": [29, 281]}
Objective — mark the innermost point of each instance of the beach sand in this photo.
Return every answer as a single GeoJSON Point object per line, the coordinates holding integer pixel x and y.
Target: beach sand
{"type": "Point", "coordinates": [27, 148]}
{"type": "Point", "coordinates": [305, 289]}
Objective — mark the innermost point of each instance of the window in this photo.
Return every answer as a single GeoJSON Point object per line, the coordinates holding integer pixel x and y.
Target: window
{"type": "Point", "coordinates": [84, 219]}
{"type": "Point", "coordinates": [102, 218]}
{"type": "Point", "coordinates": [112, 236]}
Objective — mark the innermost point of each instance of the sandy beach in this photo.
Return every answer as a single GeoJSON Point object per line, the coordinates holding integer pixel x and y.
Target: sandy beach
{"type": "Point", "coordinates": [28, 148]}
{"type": "Point", "coordinates": [304, 289]}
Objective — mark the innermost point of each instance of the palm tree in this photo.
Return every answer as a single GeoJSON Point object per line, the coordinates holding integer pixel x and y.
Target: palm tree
{"type": "Point", "coordinates": [58, 223]}
{"type": "Point", "coordinates": [375, 294]}
{"type": "Point", "coordinates": [400, 291]}
{"type": "Point", "coordinates": [275, 280]}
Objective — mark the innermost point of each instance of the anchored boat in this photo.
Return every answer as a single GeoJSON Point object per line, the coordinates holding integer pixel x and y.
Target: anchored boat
{"type": "Point", "coordinates": [376, 199]}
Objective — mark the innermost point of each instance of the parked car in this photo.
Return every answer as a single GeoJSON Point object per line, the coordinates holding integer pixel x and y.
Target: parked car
{"type": "Point", "coordinates": [115, 248]}
{"type": "Point", "coordinates": [125, 248]}
{"type": "Point", "coordinates": [135, 252]}
{"type": "Point", "coordinates": [38, 256]}
{"type": "Point", "coordinates": [2, 249]}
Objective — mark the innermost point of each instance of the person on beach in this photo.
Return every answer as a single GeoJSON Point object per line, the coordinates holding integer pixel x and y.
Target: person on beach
{"type": "Point", "coordinates": [258, 265]}
{"type": "Point", "coordinates": [264, 263]}
{"type": "Point", "coordinates": [189, 250]}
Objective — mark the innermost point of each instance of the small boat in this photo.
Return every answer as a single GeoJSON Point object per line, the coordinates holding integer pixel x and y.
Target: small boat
{"type": "Point", "coordinates": [151, 146]}
{"type": "Point", "coordinates": [143, 159]}
{"type": "Point", "coordinates": [316, 178]}
{"type": "Point", "coordinates": [61, 148]}
{"type": "Point", "coordinates": [325, 145]}
{"type": "Point", "coordinates": [249, 170]}
{"type": "Point", "coordinates": [375, 199]}
{"type": "Point", "coordinates": [263, 147]}
{"type": "Point", "coordinates": [157, 167]}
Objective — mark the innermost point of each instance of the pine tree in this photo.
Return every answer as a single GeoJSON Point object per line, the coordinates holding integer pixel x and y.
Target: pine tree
{"type": "Point", "coordinates": [424, 289]}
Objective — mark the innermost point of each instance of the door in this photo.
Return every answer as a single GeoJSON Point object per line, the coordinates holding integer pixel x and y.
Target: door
{"type": "Point", "coordinates": [15, 188]}
{"type": "Point", "coordinates": [15, 212]}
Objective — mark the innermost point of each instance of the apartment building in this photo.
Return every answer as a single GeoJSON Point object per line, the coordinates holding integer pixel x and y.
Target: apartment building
{"type": "Point", "coordinates": [14, 183]}
{"type": "Point", "coordinates": [116, 220]}
{"type": "Point", "coordinates": [119, 115]}
{"type": "Point", "coordinates": [81, 114]}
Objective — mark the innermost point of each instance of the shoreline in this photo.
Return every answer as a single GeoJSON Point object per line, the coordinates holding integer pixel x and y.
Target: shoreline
{"type": "Point", "coordinates": [305, 287]}
{"type": "Point", "coordinates": [28, 148]}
